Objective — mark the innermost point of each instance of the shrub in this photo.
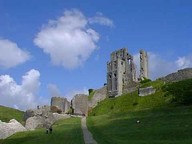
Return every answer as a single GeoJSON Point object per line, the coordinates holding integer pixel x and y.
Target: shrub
{"type": "Point", "coordinates": [145, 81]}
{"type": "Point", "coordinates": [181, 91]}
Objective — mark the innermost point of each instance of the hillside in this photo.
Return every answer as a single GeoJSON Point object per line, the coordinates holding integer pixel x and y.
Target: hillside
{"type": "Point", "coordinates": [169, 94]}
{"type": "Point", "coordinates": [165, 117]}
{"type": "Point", "coordinates": [7, 114]}
{"type": "Point", "coordinates": [66, 131]}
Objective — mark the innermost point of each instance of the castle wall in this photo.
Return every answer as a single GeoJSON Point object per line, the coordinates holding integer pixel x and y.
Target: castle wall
{"type": "Point", "coordinates": [99, 95]}
{"type": "Point", "coordinates": [80, 104]}
{"type": "Point", "coordinates": [144, 72]}
{"type": "Point", "coordinates": [61, 103]}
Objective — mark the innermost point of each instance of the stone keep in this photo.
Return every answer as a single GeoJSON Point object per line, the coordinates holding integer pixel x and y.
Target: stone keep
{"type": "Point", "coordinates": [144, 72]}
{"type": "Point", "coordinates": [79, 104]}
{"type": "Point", "coordinates": [120, 72]}
{"type": "Point", "coordinates": [61, 103]}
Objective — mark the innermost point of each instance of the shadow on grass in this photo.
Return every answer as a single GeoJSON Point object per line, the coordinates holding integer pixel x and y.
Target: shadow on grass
{"type": "Point", "coordinates": [66, 131]}
{"type": "Point", "coordinates": [173, 126]}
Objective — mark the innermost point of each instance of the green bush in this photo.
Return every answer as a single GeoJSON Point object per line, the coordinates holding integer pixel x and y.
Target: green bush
{"type": "Point", "coordinates": [181, 91]}
{"type": "Point", "coordinates": [145, 81]}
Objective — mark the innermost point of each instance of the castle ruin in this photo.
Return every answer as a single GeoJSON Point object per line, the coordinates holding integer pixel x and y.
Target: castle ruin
{"type": "Point", "coordinates": [61, 103]}
{"type": "Point", "coordinates": [144, 73]}
{"type": "Point", "coordinates": [121, 72]}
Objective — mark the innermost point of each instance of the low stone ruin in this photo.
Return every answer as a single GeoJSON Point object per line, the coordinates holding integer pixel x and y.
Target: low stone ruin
{"type": "Point", "coordinates": [146, 91]}
{"type": "Point", "coordinates": [8, 129]}
{"type": "Point", "coordinates": [42, 117]}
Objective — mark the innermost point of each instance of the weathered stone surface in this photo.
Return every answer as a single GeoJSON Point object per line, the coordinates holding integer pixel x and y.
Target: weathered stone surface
{"type": "Point", "coordinates": [60, 116]}
{"type": "Point", "coordinates": [178, 76]}
{"type": "Point", "coordinates": [46, 120]}
{"type": "Point", "coordinates": [99, 95]}
{"type": "Point", "coordinates": [144, 72]}
{"type": "Point", "coordinates": [80, 104]}
{"type": "Point", "coordinates": [61, 103]}
{"type": "Point", "coordinates": [120, 72]}
{"type": "Point", "coordinates": [146, 91]}
{"type": "Point", "coordinates": [7, 129]}
{"type": "Point", "coordinates": [35, 112]}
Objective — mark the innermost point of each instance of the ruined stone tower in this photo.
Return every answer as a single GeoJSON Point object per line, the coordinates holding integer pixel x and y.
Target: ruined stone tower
{"type": "Point", "coordinates": [120, 72]}
{"type": "Point", "coordinates": [144, 72]}
{"type": "Point", "coordinates": [61, 103]}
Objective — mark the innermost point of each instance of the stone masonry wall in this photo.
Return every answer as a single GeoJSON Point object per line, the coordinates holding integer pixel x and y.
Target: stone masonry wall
{"type": "Point", "coordinates": [99, 95]}
{"type": "Point", "coordinates": [80, 104]}
{"type": "Point", "coordinates": [179, 75]}
{"type": "Point", "coordinates": [146, 91]}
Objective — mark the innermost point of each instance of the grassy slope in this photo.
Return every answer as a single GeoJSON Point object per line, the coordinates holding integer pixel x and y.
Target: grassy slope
{"type": "Point", "coordinates": [114, 120]}
{"type": "Point", "coordinates": [7, 114]}
{"type": "Point", "coordinates": [132, 102]}
{"type": "Point", "coordinates": [65, 131]}
{"type": "Point", "coordinates": [160, 126]}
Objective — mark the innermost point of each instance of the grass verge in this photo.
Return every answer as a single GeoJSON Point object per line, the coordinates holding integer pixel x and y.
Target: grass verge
{"type": "Point", "coordinates": [170, 125]}
{"type": "Point", "coordinates": [66, 131]}
{"type": "Point", "coordinates": [6, 114]}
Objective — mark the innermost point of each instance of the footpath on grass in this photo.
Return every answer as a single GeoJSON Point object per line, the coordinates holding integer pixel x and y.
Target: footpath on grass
{"type": "Point", "coordinates": [88, 138]}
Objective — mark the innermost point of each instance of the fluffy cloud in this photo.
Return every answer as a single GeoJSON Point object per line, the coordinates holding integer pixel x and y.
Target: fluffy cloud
{"type": "Point", "coordinates": [11, 55]}
{"type": "Point", "coordinates": [102, 20]}
{"type": "Point", "coordinates": [53, 90]}
{"type": "Point", "coordinates": [68, 40]}
{"type": "Point", "coordinates": [72, 93]}
{"type": "Point", "coordinates": [21, 96]}
{"type": "Point", "coordinates": [159, 67]}
{"type": "Point", "coordinates": [184, 62]}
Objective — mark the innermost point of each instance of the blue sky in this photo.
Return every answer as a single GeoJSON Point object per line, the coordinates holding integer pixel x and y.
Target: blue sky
{"type": "Point", "coordinates": [61, 47]}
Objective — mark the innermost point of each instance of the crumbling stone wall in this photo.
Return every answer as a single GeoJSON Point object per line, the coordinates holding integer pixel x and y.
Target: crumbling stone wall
{"type": "Point", "coordinates": [120, 71]}
{"type": "Point", "coordinates": [61, 103]}
{"type": "Point", "coordinates": [144, 72]}
{"type": "Point", "coordinates": [99, 95]}
{"type": "Point", "coordinates": [178, 76]}
{"type": "Point", "coordinates": [146, 91]}
{"type": "Point", "coordinates": [41, 117]}
{"type": "Point", "coordinates": [80, 104]}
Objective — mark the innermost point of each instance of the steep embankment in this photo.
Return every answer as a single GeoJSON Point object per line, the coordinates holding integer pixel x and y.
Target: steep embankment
{"type": "Point", "coordinates": [7, 114]}
{"type": "Point", "coordinates": [165, 117]}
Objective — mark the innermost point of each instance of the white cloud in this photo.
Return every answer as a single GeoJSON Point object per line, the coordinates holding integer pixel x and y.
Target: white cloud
{"type": "Point", "coordinates": [53, 90]}
{"type": "Point", "coordinates": [68, 40]}
{"type": "Point", "coordinates": [72, 93]}
{"type": "Point", "coordinates": [11, 55]}
{"type": "Point", "coordinates": [102, 20]}
{"type": "Point", "coordinates": [184, 62]}
{"type": "Point", "coordinates": [159, 67]}
{"type": "Point", "coordinates": [21, 96]}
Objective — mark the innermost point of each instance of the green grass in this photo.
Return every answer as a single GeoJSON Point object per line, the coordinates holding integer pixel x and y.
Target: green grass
{"type": "Point", "coordinates": [163, 119]}
{"type": "Point", "coordinates": [91, 95]}
{"type": "Point", "coordinates": [170, 125]}
{"type": "Point", "coordinates": [7, 114]}
{"type": "Point", "coordinates": [132, 102]}
{"type": "Point", "coordinates": [156, 84]}
{"type": "Point", "coordinates": [66, 131]}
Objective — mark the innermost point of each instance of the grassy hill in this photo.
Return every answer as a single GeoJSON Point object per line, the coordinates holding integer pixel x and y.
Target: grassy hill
{"type": "Point", "coordinates": [166, 116]}
{"type": "Point", "coordinates": [7, 114]}
{"type": "Point", "coordinates": [66, 131]}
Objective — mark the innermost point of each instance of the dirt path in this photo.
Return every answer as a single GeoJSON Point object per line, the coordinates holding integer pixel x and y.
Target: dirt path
{"type": "Point", "coordinates": [88, 138]}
